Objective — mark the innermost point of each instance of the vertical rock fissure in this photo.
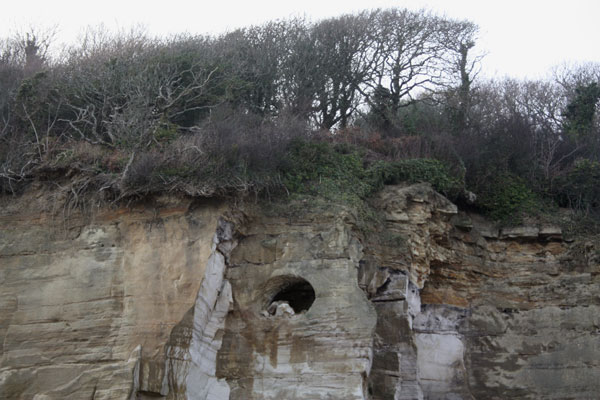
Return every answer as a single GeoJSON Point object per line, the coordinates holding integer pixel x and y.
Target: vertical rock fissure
{"type": "Point", "coordinates": [394, 374]}
{"type": "Point", "coordinates": [392, 273]}
{"type": "Point", "coordinates": [193, 346]}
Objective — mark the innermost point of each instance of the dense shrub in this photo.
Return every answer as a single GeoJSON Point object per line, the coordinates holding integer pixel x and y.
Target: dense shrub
{"type": "Point", "coordinates": [579, 187]}
{"type": "Point", "coordinates": [507, 197]}
{"type": "Point", "coordinates": [331, 108]}
{"type": "Point", "coordinates": [340, 171]}
{"type": "Point", "coordinates": [238, 153]}
{"type": "Point", "coordinates": [419, 170]}
{"type": "Point", "coordinates": [320, 168]}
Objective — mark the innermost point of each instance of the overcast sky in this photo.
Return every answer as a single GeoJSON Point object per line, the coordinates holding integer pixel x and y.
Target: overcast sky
{"type": "Point", "coordinates": [522, 38]}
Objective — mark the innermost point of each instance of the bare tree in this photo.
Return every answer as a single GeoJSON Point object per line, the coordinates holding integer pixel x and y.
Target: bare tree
{"type": "Point", "coordinates": [344, 57]}
{"type": "Point", "coordinates": [124, 89]}
{"type": "Point", "coordinates": [543, 103]}
{"type": "Point", "coordinates": [298, 86]}
{"type": "Point", "coordinates": [408, 52]}
{"type": "Point", "coordinates": [570, 76]}
{"type": "Point", "coordinates": [11, 74]}
{"type": "Point", "coordinates": [461, 68]}
{"type": "Point", "coordinates": [33, 48]}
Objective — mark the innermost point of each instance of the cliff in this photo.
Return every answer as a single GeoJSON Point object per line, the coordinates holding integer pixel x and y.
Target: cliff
{"type": "Point", "coordinates": [195, 299]}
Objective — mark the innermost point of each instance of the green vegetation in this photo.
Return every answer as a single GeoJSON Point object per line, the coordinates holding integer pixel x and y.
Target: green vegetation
{"type": "Point", "coordinates": [418, 170]}
{"type": "Point", "coordinates": [333, 109]}
{"type": "Point", "coordinates": [507, 197]}
{"type": "Point", "coordinates": [340, 172]}
{"type": "Point", "coordinates": [578, 188]}
{"type": "Point", "coordinates": [319, 168]}
{"type": "Point", "coordinates": [580, 112]}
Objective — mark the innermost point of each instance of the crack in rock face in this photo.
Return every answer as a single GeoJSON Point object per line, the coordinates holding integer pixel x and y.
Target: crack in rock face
{"type": "Point", "coordinates": [192, 300]}
{"type": "Point", "coordinates": [192, 363]}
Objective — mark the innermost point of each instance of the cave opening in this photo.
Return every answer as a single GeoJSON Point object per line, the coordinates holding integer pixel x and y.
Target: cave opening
{"type": "Point", "coordinates": [298, 293]}
{"type": "Point", "coordinates": [300, 296]}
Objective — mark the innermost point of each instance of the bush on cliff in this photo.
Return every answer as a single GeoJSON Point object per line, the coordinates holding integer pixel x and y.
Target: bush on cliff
{"type": "Point", "coordinates": [244, 113]}
{"type": "Point", "coordinates": [342, 172]}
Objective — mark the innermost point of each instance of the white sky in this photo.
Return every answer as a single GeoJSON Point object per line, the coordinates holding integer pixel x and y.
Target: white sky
{"type": "Point", "coordinates": [523, 38]}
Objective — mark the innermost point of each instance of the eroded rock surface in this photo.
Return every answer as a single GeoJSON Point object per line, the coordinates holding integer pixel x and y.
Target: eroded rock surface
{"type": "Point", "coordinates": [321, 350]}
{"type": "Point", "coordinates": [194, 343]}
{"type": "Point", "coordinates": [506, 313]}
{"type": "Point", "coordinates": [532, 302]}
{"type": "Point", "coordinates": [180, 299]}
{"type": "Point", "coordinates": [393, 270]}
{"type": "Point", "coordinates": [86, 306]}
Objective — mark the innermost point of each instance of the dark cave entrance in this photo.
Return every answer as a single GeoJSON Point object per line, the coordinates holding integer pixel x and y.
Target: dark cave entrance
{"type": "Point", "coordinates": [293, 290]}
{"type": "Point", "coordinates": [299, 296]}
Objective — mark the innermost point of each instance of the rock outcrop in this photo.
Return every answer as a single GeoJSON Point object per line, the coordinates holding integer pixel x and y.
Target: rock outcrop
{"type": "Point", "coordinates": [324, 350]}
{"type": "Point", "coordinates": [505, 313]}
{"type": "Point", "coordinates": [87, 306]}
{"type": "Point", "coordinates": [182, 299]}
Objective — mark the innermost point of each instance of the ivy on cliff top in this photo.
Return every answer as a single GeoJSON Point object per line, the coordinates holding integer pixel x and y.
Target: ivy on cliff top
{"type": "Point", "coordinates": [339, 172]}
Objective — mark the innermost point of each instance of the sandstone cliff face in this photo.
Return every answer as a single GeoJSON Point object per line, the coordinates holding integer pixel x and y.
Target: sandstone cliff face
{"type": "Point", "coordinates": [324, 350]}
{"type": "Point", "coordinates": [86, 307]}
{"type": "Point", "coordinates": [525, 304]}
{"type": "Point", "coordinates": [509, 313]}
{"type": "Point", "coordinates": [182, 299]}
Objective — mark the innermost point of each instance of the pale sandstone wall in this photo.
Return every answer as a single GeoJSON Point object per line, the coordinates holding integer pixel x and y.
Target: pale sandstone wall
{"type": "Point", "coordinates": [323, 353]}
{"type": "Point", "coordinates": [167, 300]}
{"type": "Point", "coordinates": [507, 313]}
{"type": "Point", "coordinates": [84, 304]}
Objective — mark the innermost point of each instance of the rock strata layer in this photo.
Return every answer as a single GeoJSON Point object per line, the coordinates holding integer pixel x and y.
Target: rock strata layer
{"type": "Point", "coordinates": [87, 305]}
{"type": "Point", "coordinates": [181, 299]}
{"type": "Point", "coordinates": [324, 350]}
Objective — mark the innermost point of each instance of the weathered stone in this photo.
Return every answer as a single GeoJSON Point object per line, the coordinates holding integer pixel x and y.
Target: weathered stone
{"type": "Point", "coordinates": [389, 286]}
{"type": "Point", "coordinates": [551, 232]}
{"type": "Point", "coordinates": [81, 312]}
{"type": "Point", "coordinates": [320, 353]}
{"type": "Point", "coordinates": [170, 300]}
{"type": "Point", "coordinates": [191, 360]}
{"type": "Point", "coordinates": [520, 232]}
{"type": "Point", "coordinates": [424, 221]}
{"type": "Point", "coordinates": [462, 221]}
